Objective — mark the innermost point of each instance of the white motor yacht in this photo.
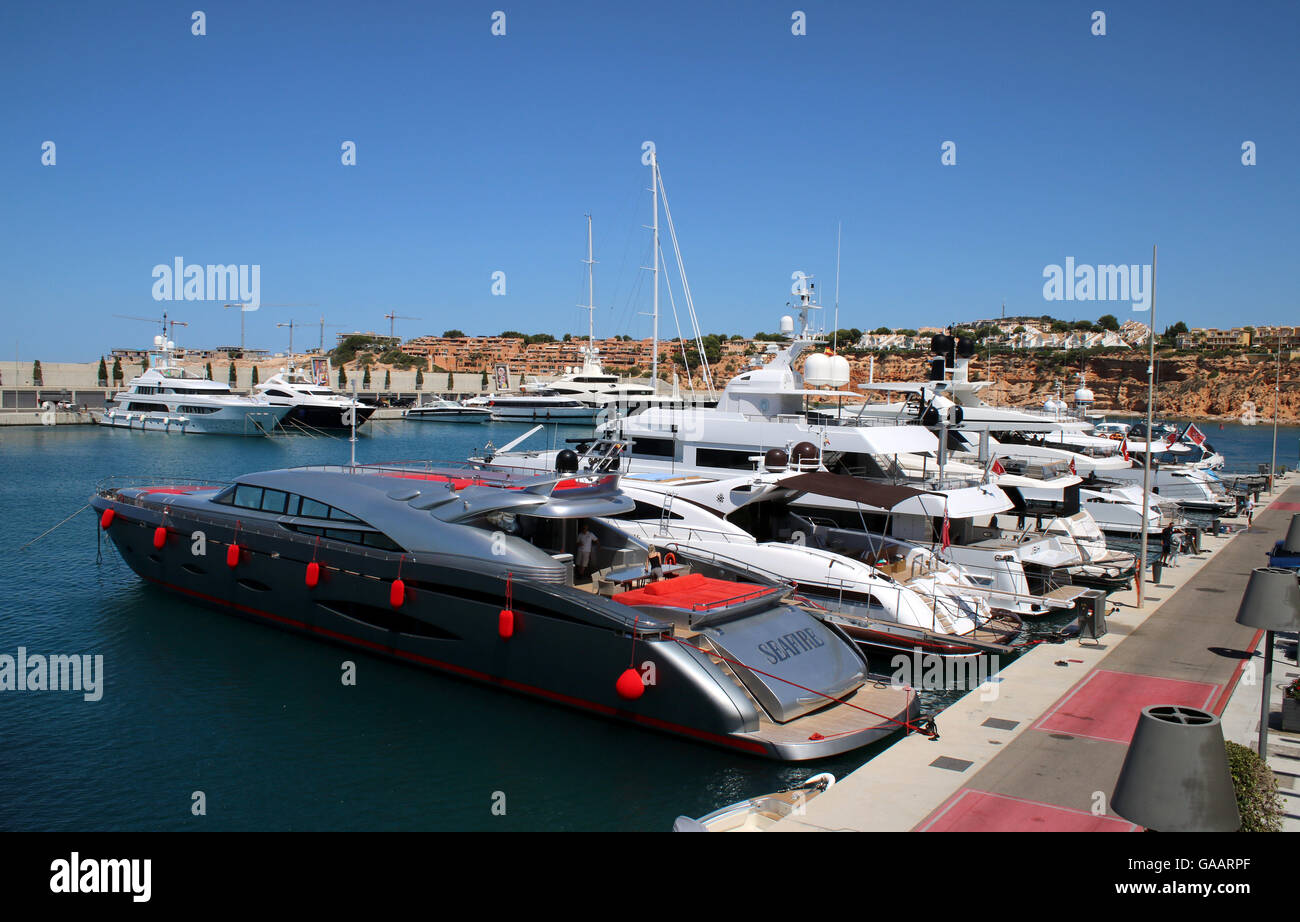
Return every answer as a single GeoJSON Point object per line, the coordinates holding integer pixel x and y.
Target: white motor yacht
{"type": "Point", "coordinates": [167, 398]}
{"type": "Point", "coordinates": [312, 405]}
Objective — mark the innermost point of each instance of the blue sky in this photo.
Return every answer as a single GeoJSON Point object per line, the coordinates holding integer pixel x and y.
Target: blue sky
{"type": "Point", "coordinates": [478, 153]}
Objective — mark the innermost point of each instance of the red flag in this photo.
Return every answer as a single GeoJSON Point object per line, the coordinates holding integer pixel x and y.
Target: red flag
{"type": "Point", "coordinates": [1173, 437]}
{"type": "Point", "coordinates": [947, 536]}
{"type": "Point", "coordinates": [1072, 470]}
{"type": "Point", "coordinates": [1123, 447]}
{"type": "Point", "coordinates": [1196, 435]}
{"type": "Point", "coordinates": [997, 467]}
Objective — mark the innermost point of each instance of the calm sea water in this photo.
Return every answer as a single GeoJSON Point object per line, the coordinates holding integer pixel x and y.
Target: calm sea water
{"type": "Point", "coordinates": [257, 719]}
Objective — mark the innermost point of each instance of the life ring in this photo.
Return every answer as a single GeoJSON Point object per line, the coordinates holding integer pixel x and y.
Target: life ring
{"type": "Point", "coordinates": [670, 558]}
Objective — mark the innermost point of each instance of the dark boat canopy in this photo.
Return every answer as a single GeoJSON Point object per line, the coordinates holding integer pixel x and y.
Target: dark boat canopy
{"type": "Point", "coordinates": [854, 489]}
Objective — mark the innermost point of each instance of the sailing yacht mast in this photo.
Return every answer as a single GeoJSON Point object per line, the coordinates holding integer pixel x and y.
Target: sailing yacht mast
{"type": "Point", "coordinates": [654, 197]}
{"type": "Point", "coordinates": [591, 299]}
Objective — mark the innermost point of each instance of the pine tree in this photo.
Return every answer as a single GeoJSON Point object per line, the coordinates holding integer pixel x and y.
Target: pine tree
{"type": "Point", "coordinates": [343, 378]}
{"type": "Point", "coordinates": [419, 379]}
{"type": "Point", "coordinates": [102, 376]}
{"type": "Point", "coordinates": [365, 378]}
{"type": "Point", "coordinates": [485, 380]}
{"type": "Point", "coordinates": [209, 371]}
{"type": "Point", "coordinates": [388, 379]}
{"type": "Point", "coordinates": [117, 370]}
{"type": "Point", "coordinates": [232, 379]}
{"type": "Point", "coordinates": [38, 379]}
{"type": "Point", "coordinates": [254, 379]}
{"type": "Point", "coordinates": [451, 385]}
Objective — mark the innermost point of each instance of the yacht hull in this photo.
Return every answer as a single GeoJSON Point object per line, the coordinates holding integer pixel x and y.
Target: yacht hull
{"type": "Point", "coordinates": [449, 621]}
{"type": "Point", "coordinates": [325, 417]}
{"type": "Point", "coordinates": [250, 422]}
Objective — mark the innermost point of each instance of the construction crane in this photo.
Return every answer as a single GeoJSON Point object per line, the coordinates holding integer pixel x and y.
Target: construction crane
{"type": "Point", "coordinates": [392, 323]}
{"type": "Point", "coordinates": [323, 325]}
{"type": "Point", "coordinates": [244, 309]}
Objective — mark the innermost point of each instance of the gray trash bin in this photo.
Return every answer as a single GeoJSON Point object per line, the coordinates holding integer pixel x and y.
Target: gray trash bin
{"type": "Point", "coordinates": [1092, 614]}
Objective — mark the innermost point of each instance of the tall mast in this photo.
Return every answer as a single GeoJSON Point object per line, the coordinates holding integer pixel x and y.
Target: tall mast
{"type": "Point", "coordinates": [591, 296]}
{"type": "Point", "coordinates": [654, 197]}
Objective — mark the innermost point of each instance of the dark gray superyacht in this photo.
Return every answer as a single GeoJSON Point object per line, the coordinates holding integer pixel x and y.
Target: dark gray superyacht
{"type": "Point", "coordinates": [470, 569]}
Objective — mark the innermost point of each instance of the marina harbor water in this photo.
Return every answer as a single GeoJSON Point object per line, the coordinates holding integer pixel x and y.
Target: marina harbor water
{"type": "Point", "coordinates": [262, 721]}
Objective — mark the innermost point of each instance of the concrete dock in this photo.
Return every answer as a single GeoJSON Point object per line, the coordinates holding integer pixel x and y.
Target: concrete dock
{"type": "Point", "coordinates": [1038, 747]}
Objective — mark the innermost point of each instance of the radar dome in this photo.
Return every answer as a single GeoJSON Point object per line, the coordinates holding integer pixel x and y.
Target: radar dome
{"type": "Point", "coordinates": [840, 374]}
{"type": "Point", "coordinates": [787, 324]}
{"type": "Point", "coordinates": [775, 459]}
{"type": "Point", "coordinates": [804, 455]}
{"type": "Point", "coordinates": [566, 461]}
{"type": "Point", "coordinates": [817, 370]}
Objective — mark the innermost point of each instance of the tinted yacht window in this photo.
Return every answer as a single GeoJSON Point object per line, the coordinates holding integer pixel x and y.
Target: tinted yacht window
{"type": "Point", "coordinates": [248, 497]}
{"type": "Point", "coordinates": [314, 510]}
{"type": "Point", "coordinates": [274, 501]}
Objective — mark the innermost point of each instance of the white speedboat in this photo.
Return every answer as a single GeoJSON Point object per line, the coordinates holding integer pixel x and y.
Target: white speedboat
{"type": "Point", "coordinates": [448, 411]}
{"type": "Point", "coordinates": [167, 398]}
{"type": "Point", "coordinates": [758, 814]}
{"type": "Point", "coordinates": [312, 405]}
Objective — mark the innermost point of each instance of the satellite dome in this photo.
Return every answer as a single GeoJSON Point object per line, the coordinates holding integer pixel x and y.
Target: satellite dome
{"type": "Point", "coordinates": [566, 461]}
{"type": "Point", "coordinates": [787, 324]}
{"type": "Point", "coordinates": [804, 454]}
{"type": "Point", "coordinates": [817, 370]}
{"type": "Point", "coordinates": [839, 371]}
{"type": "Point", "coordinates": [940, 344]}
{"type": "Point", "coordinates": [775, 459]}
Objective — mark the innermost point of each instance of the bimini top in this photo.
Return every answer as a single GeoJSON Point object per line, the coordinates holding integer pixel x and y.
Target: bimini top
{"type": "Point", "coordinates": [837, 486]}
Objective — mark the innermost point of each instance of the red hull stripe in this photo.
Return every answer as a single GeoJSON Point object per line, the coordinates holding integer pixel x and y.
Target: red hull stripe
{"type": "Point", "coordinates": [560, 697]}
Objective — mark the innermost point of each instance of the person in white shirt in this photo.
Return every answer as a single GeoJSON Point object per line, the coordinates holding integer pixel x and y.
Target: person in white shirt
{"type": "Point", "coordinates": [1250, 511]}
{"type": "Point", "coordinates": [586, 541]}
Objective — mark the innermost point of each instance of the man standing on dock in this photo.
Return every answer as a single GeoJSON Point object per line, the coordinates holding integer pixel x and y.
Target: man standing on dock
{"type": "Point", "coordinates": [1250, 510]}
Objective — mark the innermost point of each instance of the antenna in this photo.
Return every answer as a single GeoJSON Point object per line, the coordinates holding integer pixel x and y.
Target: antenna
{"type": "Point", "coordinates": [591, 296]}
{"type": "Point", "coordinates": [835, 337]}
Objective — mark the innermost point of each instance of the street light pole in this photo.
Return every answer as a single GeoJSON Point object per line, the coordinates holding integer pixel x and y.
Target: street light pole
{"type": "Point", "coordinates": [1277, 396]}
{"type": "Point", "coordinates": [1146, 459]}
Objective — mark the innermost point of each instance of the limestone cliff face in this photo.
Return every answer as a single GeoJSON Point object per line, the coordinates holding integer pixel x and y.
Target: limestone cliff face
{"type": "Point", "coordinates": [1195, 386]}
{"type": "Point", "coordinates": [1187, 385]}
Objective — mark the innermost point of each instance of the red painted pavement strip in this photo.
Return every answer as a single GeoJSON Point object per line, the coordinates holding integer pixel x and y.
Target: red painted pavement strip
{"type": "Point", "coordinates": [1285, 507]}
{"type": "Point", "coordinates": [970, 810]}
{"type": "Point", "coordinates": [1106, 705]}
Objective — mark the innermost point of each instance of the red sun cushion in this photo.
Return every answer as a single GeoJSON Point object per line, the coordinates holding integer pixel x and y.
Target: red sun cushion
{"type": "Point", "coordinates": [693, 592]}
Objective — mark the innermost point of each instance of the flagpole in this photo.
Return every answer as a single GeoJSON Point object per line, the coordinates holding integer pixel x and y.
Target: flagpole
{"type": "Point", "coordinates": [1146, 459]}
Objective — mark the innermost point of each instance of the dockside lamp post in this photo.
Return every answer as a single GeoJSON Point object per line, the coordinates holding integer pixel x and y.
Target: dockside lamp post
{"type": "Point", "coordinates": [1272, 602]}
{"type": "Point", "coordinates": [1175, 776]}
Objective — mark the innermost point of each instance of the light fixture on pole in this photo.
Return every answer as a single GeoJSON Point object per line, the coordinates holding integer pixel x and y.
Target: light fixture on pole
{"type": "Point", "coordinates": [1277, 397]}
{"type": "Point", "coordinates": [1175, 776]}
{"type": "Point", "coordinates": [1271, 602]}
{"type": "Point", "coordinates": [1146, 455]}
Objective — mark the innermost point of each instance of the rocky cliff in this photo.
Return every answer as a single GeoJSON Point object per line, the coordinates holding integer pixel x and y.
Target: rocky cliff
{"type": "Point", "coordinates": [1187, 385]}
